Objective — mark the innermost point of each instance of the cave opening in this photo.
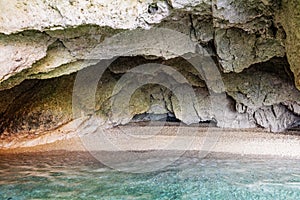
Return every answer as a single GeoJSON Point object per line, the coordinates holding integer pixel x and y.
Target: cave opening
{"type": "Point", "coordinates": [256, 97]}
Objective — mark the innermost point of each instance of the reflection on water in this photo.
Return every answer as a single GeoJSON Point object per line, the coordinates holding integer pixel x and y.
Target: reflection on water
{"type": "Point", "coordinates": [61, 175]}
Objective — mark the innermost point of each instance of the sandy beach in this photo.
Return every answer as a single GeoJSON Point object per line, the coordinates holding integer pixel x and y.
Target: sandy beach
{"type": "Point", "coordinates": [137, 137]}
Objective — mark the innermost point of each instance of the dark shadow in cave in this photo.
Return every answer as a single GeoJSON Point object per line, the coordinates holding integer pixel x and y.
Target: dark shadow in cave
{"type": "Point", "coordinates": [169, 119]}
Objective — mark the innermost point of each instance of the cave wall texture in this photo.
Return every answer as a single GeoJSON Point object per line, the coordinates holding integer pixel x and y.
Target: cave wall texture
{"type": "Point", "coordinates": [44, 44]}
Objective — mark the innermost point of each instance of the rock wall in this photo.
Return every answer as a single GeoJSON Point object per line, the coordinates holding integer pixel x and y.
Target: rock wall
{"type": "Point", "coordinates": [290, 19]}
{"type": "Point", "coordinates": [44, 45]}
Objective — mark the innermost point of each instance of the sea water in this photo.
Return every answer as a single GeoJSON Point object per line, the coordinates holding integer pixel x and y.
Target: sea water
{"type": "Point", "coordinates": [65, 175]}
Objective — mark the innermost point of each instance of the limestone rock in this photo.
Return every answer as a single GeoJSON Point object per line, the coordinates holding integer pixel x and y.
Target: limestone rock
{"type": "Point", "coordinates": [45, 106]}
{"type": "Point", "coordinates": [80, 30]}
{"type": "Point", "coordinates": [57, 41]}
{"type": "Point", "coordinates": [158, 105]}
{"type": "Point", "coordinates": [202, 7]}
{"type": "Point", "coordinates": [219, 108]}
{"type": "Point", "coordinates": [21, 51]}
{"type": "Point", "coordinates": [238, 50]}
{"type": "Point", "coordinates": [64, 69]}
{"type": "Point", "coordinates": [250, 16]}
{"type": "Point", "coordinates": [263, 95]}
{"type": "Point", "coordinates": [246, 33]}
{"type": "Point", "coordinates": [184, 105]}
{"type": "Point", "coordinates": [255, 89]}
{"type": "Point", "coordinates": [290, 19]}
{"type": "Point", "coordinates": [275, 118]}
{"type": "Point", "coordinates": [209, 107]}
{"type": "Point", "coordinates": [8, 97]}
{"type": "Point", "coordinates": [57, 55]}
{"type": "Point", "coordinates": [179, 21]}
{"type": "Point", "coordinates": [293, 106]}
{"type": "Point", "coordinates": [82, 47]}
{"type": "Point", "coordinates": [81, 41]}
{"type": "Point", "coordinates": [204, 28]}
{"type": "Point", "coordinates": [181, 65]}
{"type": "Point", "coordinates": [41, 15]}
{"type": "Point", "coordinates": [117, 99]}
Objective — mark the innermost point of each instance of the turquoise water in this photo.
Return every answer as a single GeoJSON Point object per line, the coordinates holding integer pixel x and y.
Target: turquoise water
{"type": "Point", "coordinates": [79, 176]}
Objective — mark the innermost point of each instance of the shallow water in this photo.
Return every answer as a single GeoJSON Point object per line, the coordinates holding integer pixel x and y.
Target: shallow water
{"type": "Point", "coordinates": [78, 176]}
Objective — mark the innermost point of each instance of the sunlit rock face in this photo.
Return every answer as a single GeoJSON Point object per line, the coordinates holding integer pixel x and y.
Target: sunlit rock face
{"type": "Point", "coordinates": [290, 19]}
{"type": "Point", "coordinates": [44, 45]}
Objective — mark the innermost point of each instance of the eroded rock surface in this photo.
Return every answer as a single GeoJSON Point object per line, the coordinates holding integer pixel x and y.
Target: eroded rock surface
{"type": "Point", "coordinates": [44, 45]}
{"type": "Point", "coordinates": [290, 19]}
{"type": "Point", "coordinates": [21, 51]}
{"type": "Point", "coordinates": [244, 32]}
{"type": "Point", "coordinates": [264, 99]}
{"type": "Point", "coordinates": [238, 49]}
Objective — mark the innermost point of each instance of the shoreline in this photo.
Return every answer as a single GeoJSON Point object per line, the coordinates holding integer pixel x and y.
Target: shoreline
{"type": "Point", "coordinates": [135, 137]}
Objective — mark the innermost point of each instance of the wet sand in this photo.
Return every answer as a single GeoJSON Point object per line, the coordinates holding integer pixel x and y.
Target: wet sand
{"type": "Point", "coordinates": [142, 137]}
